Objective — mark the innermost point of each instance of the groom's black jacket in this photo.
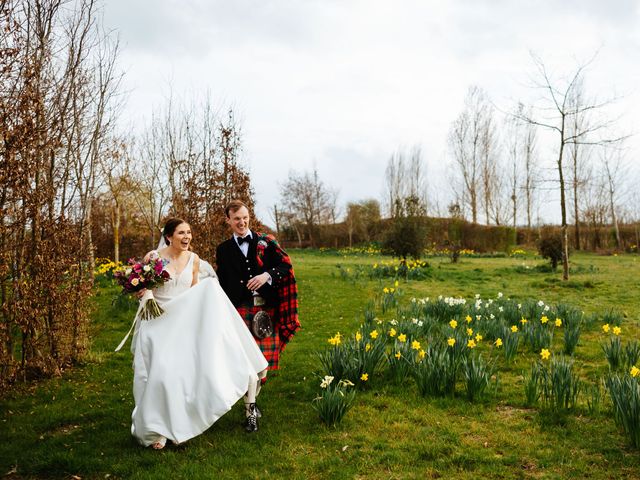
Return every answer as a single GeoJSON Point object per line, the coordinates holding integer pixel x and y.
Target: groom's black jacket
{"type": "Point", "coordinates": [234, 271]}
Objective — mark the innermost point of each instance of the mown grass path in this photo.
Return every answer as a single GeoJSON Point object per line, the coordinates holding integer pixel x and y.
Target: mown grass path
{"type": "Point", "coordinates": [78, 425]}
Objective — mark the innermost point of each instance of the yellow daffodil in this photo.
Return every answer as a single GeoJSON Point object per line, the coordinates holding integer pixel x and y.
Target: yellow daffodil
{"type": "Point", "coordinates": [635, 371]}
{"type": "Point", "coordinates": [605, 328]}
{"type": "Point", "coordinates": [385, 290]}
{"type": "Point", "coordinates": [392, 332]}
{"type": "Point", "coordinates": [470, 331]}
{"type": "Point", "coordinates": [375, 265]}
{"type": "Point", "coordinates": [364, 377]}
{"type": "Point", "coordinates": [451, 341]}
{"type": "Point", "coordinates": [498, 342]}
{"type": "Point", "coordinates": [421, 354]}
{"type": "Point", "coordinates": [391, 290]}
{"type": "Point", "coordinates": [402, 338]}
{"type": "Point", "coordinates": [558, 322]}
{"type": "Point", "coordinates": [478, 338]}
{"type": "Point", "coordinates": [545, 354]}
{"type": "Point", "coordinates": [453, 324]}
{"type": "Point", "coordinates": [544, 319]}
{"type": "Point", "coordinates": [471, 343]}
{"type": "Point", "coordinates": [367, 347]}
{"type": "Point", "coordinates": [396, 284]}
{"type": "Point", "coordinates": [468, 318]}
{"type": "Point", "coordinates": [415, 345]}
{"type": "Point", "coordinates": [398, 355]}
{"type": "Point", "coordinates": [514, 328]}
{"type": "Point", "coordinates": [374, 334]}
{"type": "Point", "coordinates": [617, 330]}
{"type": "Point", "coordinates": [523, 320]}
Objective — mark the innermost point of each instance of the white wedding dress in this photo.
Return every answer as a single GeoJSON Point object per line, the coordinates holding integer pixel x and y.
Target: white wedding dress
{"type": "Point", "coordinates": [191, 364]}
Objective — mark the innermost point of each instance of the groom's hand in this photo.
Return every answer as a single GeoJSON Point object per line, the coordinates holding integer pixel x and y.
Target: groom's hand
{"type": "Point", "coordinates": [259, 280]}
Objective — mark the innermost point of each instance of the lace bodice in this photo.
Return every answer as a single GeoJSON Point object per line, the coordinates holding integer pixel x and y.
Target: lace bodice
{"type": "Point", "coordinates": [177, 284]}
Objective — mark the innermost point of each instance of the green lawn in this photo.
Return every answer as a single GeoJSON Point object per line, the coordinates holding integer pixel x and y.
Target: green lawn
{"type": "Point", "coordinates": [78, 425]}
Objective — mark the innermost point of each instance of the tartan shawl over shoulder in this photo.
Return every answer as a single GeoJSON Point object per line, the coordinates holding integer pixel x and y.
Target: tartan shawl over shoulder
{"type": "Point", "coordinates": [287, 322]}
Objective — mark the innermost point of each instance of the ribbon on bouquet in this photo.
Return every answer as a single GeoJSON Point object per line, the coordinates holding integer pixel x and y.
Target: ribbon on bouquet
{"type": "Point", "coordinates": [148, 295]}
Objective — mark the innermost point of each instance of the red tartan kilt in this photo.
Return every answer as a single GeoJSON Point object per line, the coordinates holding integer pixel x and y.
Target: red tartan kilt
{"type": "Point", "coordinates": [269, 346]}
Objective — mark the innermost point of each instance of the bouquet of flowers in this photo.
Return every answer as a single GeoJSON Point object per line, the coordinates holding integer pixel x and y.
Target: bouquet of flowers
{"type": "Point", "coordinates": [140, 275]}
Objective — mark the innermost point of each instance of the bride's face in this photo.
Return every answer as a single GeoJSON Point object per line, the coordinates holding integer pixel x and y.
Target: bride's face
{"type": "Point", "coordinates": [181, 238]}
{"type": "Point", "coordinates": [239, 221]}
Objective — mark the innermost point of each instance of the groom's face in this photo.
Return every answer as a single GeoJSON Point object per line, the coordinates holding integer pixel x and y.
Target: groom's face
{"type": "Point", "coordinates": [239, 221]}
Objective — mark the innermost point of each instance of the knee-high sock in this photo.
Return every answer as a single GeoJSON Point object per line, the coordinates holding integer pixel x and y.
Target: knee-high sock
{"type": "Point", "coordinates": [253, 389]}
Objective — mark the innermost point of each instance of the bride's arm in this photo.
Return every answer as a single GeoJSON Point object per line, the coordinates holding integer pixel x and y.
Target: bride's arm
{"type": "Point", "coordinates": [196, 269]}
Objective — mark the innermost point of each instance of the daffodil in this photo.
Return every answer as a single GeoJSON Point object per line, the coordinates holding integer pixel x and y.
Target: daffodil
{"type": "Point", "coordinates": [402, 338]}
{"type": "Point", "coordinates": [374, 334]}
{"type": "Point", "coordinates": [544, 319]}
{"type": "Point", "coordinates": [364, 377]}
{"type": "Point", "coordinates": [468, 318]}
{"type": "Point", "coordinates": [605, 328]}
{"type": "Point", "coordinates": [635, 371]}
{"type": "Point", "coordinates": [396, 284]}
{"type": "Point", "coordinates": [385, 290]}
{"type": "Point", "coordinates": [523, 320]}
{"type": "Point", "coordinates": [451, 341]}
{"type": "Point", "coordinates": [498, 342]}
{"type": "Point", "coordinates": [453, 324]}
{"type": "Point", "coordinates": [398, 355]}
{"type": "Point", "coordinates": [471, 343]}
{"type": "Point", "coordinates": [367, 347]}
{"type": "Point", "coordinates": [478, 338]}
{"type": "Point", "coordinates": [545, 354]}
{"type": "Point", "coordinates": [470, 331]}
{"type": "Point", "coordinates": [514, 328]}
{"type": "Point", "coordinates": [326, 381]}
{"type": "Point", "coordinates": [392, 332]}
{"type": "Point", "coordinates": [558, 322]}
{"type": "Point", "coordinates": [421, 354]}
{"type": "Point", "coordinates": [358, 336]}
{"type": "Point", "coordinates": [415, 345]}
{"type": "Point", "coordinates": [617, 330]}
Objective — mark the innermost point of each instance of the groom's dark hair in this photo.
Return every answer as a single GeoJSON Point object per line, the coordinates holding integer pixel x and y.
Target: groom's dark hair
{"type": "Point", "coordinates": [233, 206]}
{"type": "Point", "coordinates": [170, 228]}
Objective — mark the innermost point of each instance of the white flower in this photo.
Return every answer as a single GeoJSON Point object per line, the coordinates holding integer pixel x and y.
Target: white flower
{"type": "Point", "coordinates": [146, 268]}
{"type": "Point", "coordinates": [492, 316]}
{"type": "Point", "coordinates": [420, 323]}
{"type": "Point", "coordinates": [540, 303]}
{"type": "Point", "coordinates": [519, 306]}
{"type": "Point", "coordinates": [326, 381]}
{"type": "Point", "coordinates": [546, 308]}
{"type": "Point", "coordinates": [477, 295]}
{"type": "Point", "coordinates": [490, 301]}
{"type": "Point", "coordinates": [413, 300]}
{"type": "Point", "coordinates": [393, 322]}
{"type": "Point", "coordinates": [128, 271]}
{"type": "Point", "coordinates": [154, 255]}
{"type": "Point", "coordinates": [478, 317]}
{"type": "Point", "coordinates": [500, 295]}
{"type": "Point", "coordinates": [501, 309]}
{"type": "Point", "coordinates": [414, 320]}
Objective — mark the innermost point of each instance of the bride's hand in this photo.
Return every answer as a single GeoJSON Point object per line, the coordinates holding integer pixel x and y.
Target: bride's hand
{"type": "Point", "coordinates": [140, 293]}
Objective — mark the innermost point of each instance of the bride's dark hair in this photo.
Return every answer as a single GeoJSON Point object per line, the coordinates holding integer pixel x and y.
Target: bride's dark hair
{"type": "Point", "coordinates": [170, 228]}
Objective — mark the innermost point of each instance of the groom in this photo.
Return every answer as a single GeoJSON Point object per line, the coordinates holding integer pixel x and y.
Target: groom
{"type": "Point", "coordinates": [257, 275]}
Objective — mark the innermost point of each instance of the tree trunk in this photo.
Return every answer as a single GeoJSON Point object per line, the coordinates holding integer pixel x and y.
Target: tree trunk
{"type": "Point", "coordinates": [563, 208]}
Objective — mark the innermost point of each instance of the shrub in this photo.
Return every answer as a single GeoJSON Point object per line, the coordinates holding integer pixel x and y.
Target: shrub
{"type": "Point", "coordinates": [406, 237]}
{"type": "Point", "coordinates": [551, 248]}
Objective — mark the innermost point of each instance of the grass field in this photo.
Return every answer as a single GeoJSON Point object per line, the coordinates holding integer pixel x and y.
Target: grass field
{"type": "Point", "coordinates": [77, 426]}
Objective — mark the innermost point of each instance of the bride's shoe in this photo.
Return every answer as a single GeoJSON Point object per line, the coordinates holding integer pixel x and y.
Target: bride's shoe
{"type": "Point", "coordinates": [159, 445]}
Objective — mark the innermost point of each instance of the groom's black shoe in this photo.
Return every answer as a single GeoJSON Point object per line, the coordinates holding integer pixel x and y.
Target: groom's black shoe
{"type": "Point", "coordinates": [258, 412]}
{"type": "Point", "coordinates": [251, 424]}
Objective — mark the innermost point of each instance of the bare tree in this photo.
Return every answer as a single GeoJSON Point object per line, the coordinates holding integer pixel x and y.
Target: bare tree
{"type": "Point", "coordinates": [470, 140]}
{"type": "Point", "coordinates": [612, 164]}
{"type": "Point", "coordinates": [309, 200]}
{"type": "Point", "coordinates": [406, 183]}
{"type": "Point", "coordinates": [557, 112]}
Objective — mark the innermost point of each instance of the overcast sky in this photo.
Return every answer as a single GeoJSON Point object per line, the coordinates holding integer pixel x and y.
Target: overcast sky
{"type": "Point", "coordinates": [341, 84]}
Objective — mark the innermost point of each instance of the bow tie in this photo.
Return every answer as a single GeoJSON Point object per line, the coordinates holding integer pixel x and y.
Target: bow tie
{"type": "Point", "coordinates": [241, 240]}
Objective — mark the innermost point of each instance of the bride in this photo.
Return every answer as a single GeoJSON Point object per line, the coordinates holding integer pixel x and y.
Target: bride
{"type": "Point", "coordinates": [196, 360]}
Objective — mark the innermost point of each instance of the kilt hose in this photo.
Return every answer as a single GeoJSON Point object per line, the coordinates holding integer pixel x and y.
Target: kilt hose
{"type": "Point", "coordinates": [269, 346]}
